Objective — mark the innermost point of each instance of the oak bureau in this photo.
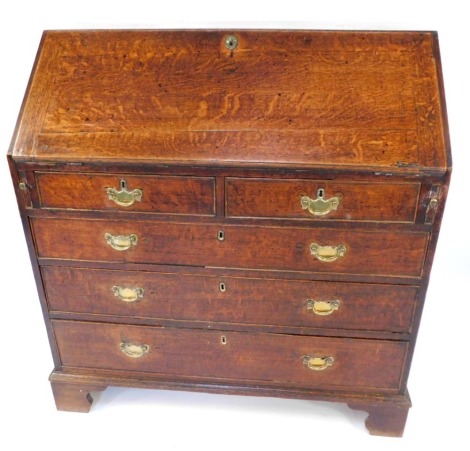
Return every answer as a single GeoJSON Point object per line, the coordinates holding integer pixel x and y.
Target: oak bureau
{"type": "Point", "coordinates": [243, 212]}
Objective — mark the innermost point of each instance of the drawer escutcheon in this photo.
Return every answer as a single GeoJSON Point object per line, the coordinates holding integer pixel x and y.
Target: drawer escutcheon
{"type": "Point", "coordinates": [123, 196]}
{"type": "Point", "coordinates": [320, 206]}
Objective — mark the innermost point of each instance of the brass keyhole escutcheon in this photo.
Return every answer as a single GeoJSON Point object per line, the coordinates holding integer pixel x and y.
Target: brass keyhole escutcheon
{"type": "Point", "coordinates": [321, 206]}
{"type": "Point", "coordinates": [222, 287]}
{"type": "Point", "coordinates": [221, 235]}
{"type": "Point", "coordinates": [123, 196]}
{"type": "Point", "coordinates": [231, 42]}
{"type": "Point", "coordinates": [223, 340]}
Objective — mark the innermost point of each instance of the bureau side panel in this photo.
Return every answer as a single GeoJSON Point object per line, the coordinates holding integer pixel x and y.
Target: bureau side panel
{"type": "Point", "coordinates": [437, 215]}
{"type": "Point", "coordinates": [22, 198]}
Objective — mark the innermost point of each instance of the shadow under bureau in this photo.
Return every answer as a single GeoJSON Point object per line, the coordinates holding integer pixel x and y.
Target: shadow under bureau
{"type": "Point", "coordinates": [248, 212]}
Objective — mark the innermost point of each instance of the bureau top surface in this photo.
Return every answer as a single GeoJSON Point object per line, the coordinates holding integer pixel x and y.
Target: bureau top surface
{"type": "Point", "coordinates": [298, 99]}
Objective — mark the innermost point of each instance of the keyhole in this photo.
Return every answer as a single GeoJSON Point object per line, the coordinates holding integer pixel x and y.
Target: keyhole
{"type": "Point", "coordinates": [231, 42]}
{"type": "Point", "coordinates": [223, 340]}
{"type": "Point", "coordinates": [221, 235]}
{"type": "Point", "coordinates": [321, 192]}
{"type": "Point", "coordinates": [222, 287]}
{"type": "Point", "coordinates": [123, 184]}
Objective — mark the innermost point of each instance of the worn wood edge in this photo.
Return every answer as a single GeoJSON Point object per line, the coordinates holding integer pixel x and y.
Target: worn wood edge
{"type": "Point", "coordinates": [238, 30]}
{"type": "Point", "coordinates": [155, 168]}
{"type": "Point", "coordinates": [232, 272]}
{"type": "Point", "coordinates": [361, 225]}
{"type": "Point", "coordinates": [442, 99]}
{"type": "Point", "coordinates": [276, 274]}
{"type": "Point", "coordinates": [25, 97]}
{"type": "Point", "coordinates": [234, 326]}
{"type": "Point", "coordinates": [395, 170]}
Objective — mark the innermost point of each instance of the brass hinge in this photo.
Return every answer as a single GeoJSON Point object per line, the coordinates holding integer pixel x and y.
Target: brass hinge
{"type": "Point", "coordinates": [24, 197]}
{"type": "Point", "coordinates": [433, 204]}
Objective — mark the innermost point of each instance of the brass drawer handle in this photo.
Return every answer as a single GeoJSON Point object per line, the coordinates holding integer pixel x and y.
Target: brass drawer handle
{"type": "Point", "coordinates": [121, 242]}
{"type": "Point", "coordinates": [320, 206]}
{"type": "Point", "coordinates": [126, 294]}
{"type": "Point", "coordinates": [133, 350]}
{"type": "Point", "coordinates": [327, 253]}
{"type": "Point", "coordinates": [318, 363]}
{"type": "Point", "coordinates": [322, 308]}
{"type": "Point", "coordinates": [123, 197]}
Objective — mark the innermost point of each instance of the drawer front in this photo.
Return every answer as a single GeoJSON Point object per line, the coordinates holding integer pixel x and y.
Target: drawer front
{"type": "Point", "coordinates": [297, 249]}
{"type": "Point", "coordinates": [258, 357]}
{"type": "Point", "coordinates": [319, 199]}
{"type": "Point", "coordinates": [220, 298]}
{"type": "Point", "coordinates": [156, 194]}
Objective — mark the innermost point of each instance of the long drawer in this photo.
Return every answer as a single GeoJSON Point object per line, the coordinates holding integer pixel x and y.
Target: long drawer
{"type": "Point", "coordinates": [286, 360]}
{"type": "Point", "coordinates": [227, 299]}
{"type": "Point", "coordinates": [275, 248]}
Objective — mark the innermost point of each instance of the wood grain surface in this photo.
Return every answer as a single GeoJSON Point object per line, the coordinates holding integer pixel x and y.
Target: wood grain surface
{"type": "Point", "coordinates": [278, 359]}
{"type": "Point", "coordinates": [367, 201]}
{"type": "Point", "coordinates": [285, 98]}
{"type": "Point", "coordinates": [241, 300]}
{"type": "Point", "coordinates": [160, 194]}
{"type": "Point", "coordinates": [248, 247]}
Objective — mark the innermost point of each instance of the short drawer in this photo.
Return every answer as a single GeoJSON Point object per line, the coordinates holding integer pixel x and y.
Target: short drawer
{"type": "Point", "coordinates": [320, 199]}
{"type": "Point", "coordinates": [228, 299]}
{"type": "Point", "coordinates": [150, 193]}
{"type": "Point", "coordinates": [275, 248]}
{"type": "Point", "coordinates": [233, 356]}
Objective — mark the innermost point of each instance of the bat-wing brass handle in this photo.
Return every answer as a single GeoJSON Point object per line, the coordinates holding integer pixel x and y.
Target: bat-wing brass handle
{"type": "Point", "coordinates": [121, 242]}
{"type": "Point", "coordinates": [128, 295]}
{"type": "Point", "coordinates": [327, 253]}
{"type": "Point", "coordinates": [320, 206]}
{"type": "Point", "coordinates": [322, 308]}
{"type": "Point", "coordinates": [134, 350]}
{"type": "Point", "coordinates": [123, 196]}
{"type": "Point", "coordinates": [318, 363]}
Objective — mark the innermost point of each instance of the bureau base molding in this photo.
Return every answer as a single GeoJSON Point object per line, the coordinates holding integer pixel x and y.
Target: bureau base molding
{"type": "Point", "coordinates": [387, 413]}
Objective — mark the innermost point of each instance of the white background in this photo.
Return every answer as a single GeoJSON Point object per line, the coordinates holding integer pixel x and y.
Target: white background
{"type": "Point", "coordinates": [142, 419]}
